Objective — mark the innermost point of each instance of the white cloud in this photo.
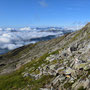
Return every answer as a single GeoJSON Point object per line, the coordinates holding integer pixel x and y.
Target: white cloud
{"type": "Point", "coordinates": [9, 29]}
{"type": "Point", "coordinates": [25, 28]}
{"type": "Point", "coordinates": [4, 40]}
{"type": "Point", "coordinates": [74, 27]}
{"type": "Point", "coordinates": [1, 29]}
{"type": "Point", "coordinates": [43, 3]}
{"type": "Point", "coordinates": [11, 46]}
{"type": "Point", "coordinates": [12, 40]}
{"type": "Point", "coordinates": [6, 35]}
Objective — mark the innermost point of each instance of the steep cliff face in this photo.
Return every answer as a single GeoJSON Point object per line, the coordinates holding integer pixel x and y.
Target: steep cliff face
{"type": "Point", "coordinates": [58, 64]}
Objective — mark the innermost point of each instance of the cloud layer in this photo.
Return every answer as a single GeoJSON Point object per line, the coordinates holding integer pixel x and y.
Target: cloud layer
{"type": "Point", "coordinates": [11, 38]}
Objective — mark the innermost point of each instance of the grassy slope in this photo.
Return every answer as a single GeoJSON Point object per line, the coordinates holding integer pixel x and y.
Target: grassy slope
{"type": "Point", "coordinates": [16, 80]}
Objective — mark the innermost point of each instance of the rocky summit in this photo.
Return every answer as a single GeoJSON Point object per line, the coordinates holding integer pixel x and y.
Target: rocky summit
{"type": "Point", "coordinates": [58, 64]}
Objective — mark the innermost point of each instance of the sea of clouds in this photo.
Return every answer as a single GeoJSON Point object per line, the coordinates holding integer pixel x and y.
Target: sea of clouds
{"type": "Point", "coordinates": [11, 38]}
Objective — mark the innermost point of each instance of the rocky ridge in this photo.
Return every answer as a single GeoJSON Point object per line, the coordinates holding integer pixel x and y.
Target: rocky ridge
{"type": "Point", "coordinates": [58, 64]}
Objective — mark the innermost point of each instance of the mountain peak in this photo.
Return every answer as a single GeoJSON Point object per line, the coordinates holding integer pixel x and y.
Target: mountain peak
{"type": "Point", "coordinates": [87, 29]}
{"type": "Point", "coordinates": [87, 25]}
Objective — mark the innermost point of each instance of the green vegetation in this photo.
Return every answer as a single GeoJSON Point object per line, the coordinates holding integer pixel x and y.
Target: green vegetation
{"type": "Point", "coordinates": [55, 52]}
{"type": "Point", "coordinates": [17, 53]}
{"type": "Point", "coordinates": [26, 77]}
{"type": "Point", "coordinates": [81, 88]}
{"type": "Point", "coordinates": [61, 70]}
{"type": "Point", "coordinates": [54, 61]}
{"type": "Point", "coordinates": [41, 82]}
{"type": "Point", "coordinates": [67, 85]}
{"type": "Point", "coordinates": [16, 80]}
{"type": "Point", "coordinates": [11, 81]}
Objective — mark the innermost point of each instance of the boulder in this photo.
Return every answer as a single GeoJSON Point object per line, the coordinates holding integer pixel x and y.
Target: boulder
{"type": "Point", "coordinates": [69, 71]}
{"type": "Point", "coordinates": [81, 85]}
{"type": "Point", "coordinates": [26, 75]}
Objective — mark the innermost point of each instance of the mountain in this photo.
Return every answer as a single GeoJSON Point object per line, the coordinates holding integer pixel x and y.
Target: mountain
{"type": "Point", "coordinates": [62, 63]}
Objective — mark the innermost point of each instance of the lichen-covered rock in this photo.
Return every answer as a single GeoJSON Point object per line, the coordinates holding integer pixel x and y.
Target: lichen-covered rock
{"type": "Point", "coordinates": [26, 75]}
{"type": "Point", "coordinates": [81, 83]}
{"type": "Point", "coordinates": [69, 71]}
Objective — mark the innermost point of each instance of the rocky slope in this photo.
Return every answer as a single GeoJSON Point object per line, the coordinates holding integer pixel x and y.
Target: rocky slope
{"type": "Point", "coordinates": [58, 64]}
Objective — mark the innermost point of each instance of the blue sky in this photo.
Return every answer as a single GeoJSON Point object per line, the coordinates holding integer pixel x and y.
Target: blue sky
{"type": "Point", "coordinates": [19, 13]}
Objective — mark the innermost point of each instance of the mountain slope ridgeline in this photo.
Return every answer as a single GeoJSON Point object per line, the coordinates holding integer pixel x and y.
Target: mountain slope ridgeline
{"type": "Point", "coordinates": [58, 64]}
